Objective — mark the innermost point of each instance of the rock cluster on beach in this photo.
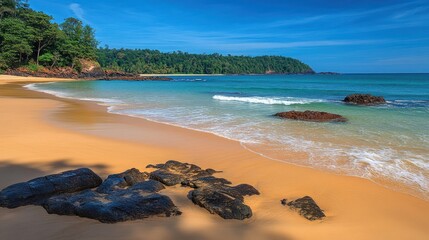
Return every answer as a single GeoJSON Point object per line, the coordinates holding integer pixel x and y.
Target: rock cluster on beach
{"type": "Point", "coordinates": [306, 207]}
{"type": "Point", "coordinates": [121, 197]}
{"type": "Point", "coordinates": [313, 116]}
{"type": "Point", "coordinates": [364, 99]}
{"type": "Point", "coordinates": [214, 194]}
{"type": "Point", "coordinates": [130, 195]}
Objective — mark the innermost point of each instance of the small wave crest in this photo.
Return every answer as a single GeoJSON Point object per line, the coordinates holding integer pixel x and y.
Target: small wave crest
{"type": "Point", "coordinates": [102, 101]}
{"type": "Point", "coordinates": [267, 100]}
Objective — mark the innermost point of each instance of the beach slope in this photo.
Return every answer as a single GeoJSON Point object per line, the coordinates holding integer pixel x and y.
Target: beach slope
{"type": "Point", "coordinates": [41, 134]}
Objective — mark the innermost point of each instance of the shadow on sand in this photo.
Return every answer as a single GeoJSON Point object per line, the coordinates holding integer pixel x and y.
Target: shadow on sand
{"type": "Point", "coordinates": [40, 225]}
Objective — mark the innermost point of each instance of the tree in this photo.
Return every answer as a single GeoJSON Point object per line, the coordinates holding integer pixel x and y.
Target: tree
{"type": "Point", "coordinates": [78, 41]}
{"type": "Point", "coordinates": [15, 41]}
{"type": "Point", "coordinates": [44, 32]}
{"type": "Point", "coordinates": [46, 59]}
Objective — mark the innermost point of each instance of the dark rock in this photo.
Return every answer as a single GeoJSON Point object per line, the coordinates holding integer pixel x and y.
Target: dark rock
{"type": "Point", "coordinates": [174, 172]}
{"type": "Point", "coordinates": [364, 99]}
{"type": "Point", "coordinates": [306, 207]}
{"type": "Point", "coordinates": [312, 116]}
{"type": "Point", "coordinates": [166, 177]}
{"type": "Point", "coordinates": [328, 73]}
{"type": "Point", "coordinates": [205, 181]}
{"type": "Point", "coordinates": [36, 191]}
{"type": "Point", "coordinates": [121, 180]}
{"type": "Point", "coordinates": [216, 202]}
{"type": "Point", "coordinates": [212, 193]}
{"type": "Point", "coordinates": [148, 186]}
{"type": "Point", "coordinates": [136, 202]}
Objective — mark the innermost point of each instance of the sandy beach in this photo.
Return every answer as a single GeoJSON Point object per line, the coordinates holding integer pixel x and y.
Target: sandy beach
{"type": "Point", "coordinates": [42, 134]}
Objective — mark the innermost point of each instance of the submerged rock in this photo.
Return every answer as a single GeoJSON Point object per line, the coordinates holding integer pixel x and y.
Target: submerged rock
{"type": "Point", "coordinates": [214, 194]}
{"type": "Point", "coordinates": [306, 207]}
{"type": "Point", "coordinates": [312, 116]}
{"type": "Point", "coordinates": [364, 99]}
{"type": "Point", "coordinates": [36, 191]}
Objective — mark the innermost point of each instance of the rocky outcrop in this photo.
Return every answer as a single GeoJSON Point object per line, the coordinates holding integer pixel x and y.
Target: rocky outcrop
{"type": "Point", "coordinates": [36, 191]}
{"type": "Point", "coordinates": [174, 172]}
{"type": "Point", "coordinates": [121, 197]}
{"type": "Point", "coordinates": [364, 99]}
{"type": "Point", "coordinates": [90, 71]}
{"type": "Point", "coordinates": [306, 207]}
{"type": "Point", "coordinates": [312, 116]}
{"type": "Point", "coordinates": [122, 180]}
{"type": "Point", "coordinates": [214, 194]}
{"type": "Point", "coordinates": [130, 195]}
{"type": "Point", "coordinates": [129, 203]}
{"type": "Point", "coordinates": [223, 200]}
{"type": "Point", "coordinates": [328, 73]}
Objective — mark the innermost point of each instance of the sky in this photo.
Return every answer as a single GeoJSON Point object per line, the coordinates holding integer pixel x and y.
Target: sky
{"type": "Point", "coordinates": [347, 36]}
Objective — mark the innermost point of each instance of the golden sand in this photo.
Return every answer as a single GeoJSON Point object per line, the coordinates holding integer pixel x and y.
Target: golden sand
{"type": "Point", "coordinates": [42, 134]}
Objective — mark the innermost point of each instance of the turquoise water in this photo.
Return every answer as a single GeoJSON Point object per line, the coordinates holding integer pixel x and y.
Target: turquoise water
{"type": "Point", "coordinates": [388, 144]}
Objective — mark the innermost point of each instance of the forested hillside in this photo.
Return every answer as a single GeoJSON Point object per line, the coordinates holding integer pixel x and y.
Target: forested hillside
{"type": "Point", "coordinates": [153, 61]}
{"type": "Point", "coordinates": [32, 41]}
{"type": "Point", "coordinates": [31, 38]}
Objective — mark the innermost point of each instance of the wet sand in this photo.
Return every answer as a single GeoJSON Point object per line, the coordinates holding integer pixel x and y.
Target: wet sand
{"type": "Point", "coordinates": [42, 134]}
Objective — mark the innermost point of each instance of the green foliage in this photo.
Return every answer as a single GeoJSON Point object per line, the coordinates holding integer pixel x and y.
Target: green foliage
{"type": "Point", "coordinates": [46, 59]}
{"type": "Point", "coordinates": [33, 67]}
{"type": "Point", "coordinates": [27, 35]}
{"type": "Point", "coordinates": [77, 65]}
{"type": "Point", "coordinates": [77, 41]}
{"type": "Point", "coordinates": [153, 61]}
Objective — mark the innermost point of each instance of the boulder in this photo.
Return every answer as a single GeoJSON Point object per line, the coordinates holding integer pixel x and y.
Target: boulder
{"type": "Point", "coordinates": [312, 116]}
{"type": "Point", "coordinates": [174, 172]}
{"type": "Point", "coordinates": [364, 99]}
{"type": "Point", "coordinates": [36, 191]}
{"type": "Point", "coordinates": [121, 197]}
{"type": "Point", "coordinates": [306, 207]}
{"type": "Point", "coordinates": [205, 181]}
{"type": "Point", "coordinates": [130, 203]}
{"type": "Point", "coordinates": [216, 202]}
{"type": "Point", "coordinates": [121, 180]}
{"type": "Point", "coordinates": [212, 193]}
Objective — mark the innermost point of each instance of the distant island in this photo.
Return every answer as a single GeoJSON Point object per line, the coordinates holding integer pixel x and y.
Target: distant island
{"type": "Point", "coordinates": [32, 44]}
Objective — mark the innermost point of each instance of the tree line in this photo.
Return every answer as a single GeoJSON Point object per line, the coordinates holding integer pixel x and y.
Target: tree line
{"type": "Point", "coordinates": [29, 37]}
{"type": "Point", "coordinates": [154, 61]}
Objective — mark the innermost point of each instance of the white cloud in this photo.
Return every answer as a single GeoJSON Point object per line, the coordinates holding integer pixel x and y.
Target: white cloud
{"type": "Point", "coordinates": [77, 10]}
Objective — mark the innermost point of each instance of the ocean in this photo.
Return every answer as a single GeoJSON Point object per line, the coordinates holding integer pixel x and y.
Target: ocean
{"type": "Point", "coordinates": [388, 144]}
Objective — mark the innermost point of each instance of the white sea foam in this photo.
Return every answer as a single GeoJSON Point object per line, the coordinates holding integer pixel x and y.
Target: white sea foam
{"type": "Point", "coordinates": [101, 101]}
{"type": "Point", "coordinates": [267, 100]}
{"type": "Point", "coordinates": [363, 161]}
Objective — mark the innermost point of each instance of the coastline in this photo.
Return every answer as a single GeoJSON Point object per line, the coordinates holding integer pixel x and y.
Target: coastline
{"type": "Point", "coordinates": [110, 143]}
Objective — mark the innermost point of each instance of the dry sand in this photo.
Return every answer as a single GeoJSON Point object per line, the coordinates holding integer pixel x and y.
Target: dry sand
{"type": "Point", "coordinates": [41, 134]}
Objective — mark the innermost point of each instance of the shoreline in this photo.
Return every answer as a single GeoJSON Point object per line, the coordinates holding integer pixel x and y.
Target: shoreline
{"type": "Point", "coordinates": [383, 182]}
{"type": "Point", "coordinates": [355, 207]}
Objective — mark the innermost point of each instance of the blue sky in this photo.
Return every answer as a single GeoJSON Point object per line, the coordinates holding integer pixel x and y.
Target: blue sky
{"type": "Point", "coordinates": [342, 35]}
